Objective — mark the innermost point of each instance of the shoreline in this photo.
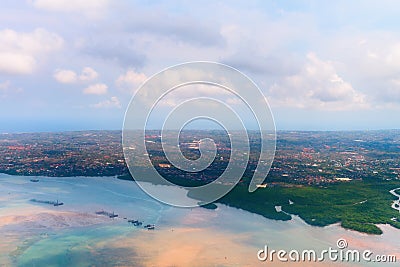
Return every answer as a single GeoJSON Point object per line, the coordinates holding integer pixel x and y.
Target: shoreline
{"type": "Point", "coordinates": [395, 202]}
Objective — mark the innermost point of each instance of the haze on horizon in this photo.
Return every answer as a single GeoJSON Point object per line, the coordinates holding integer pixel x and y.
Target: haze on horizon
{"type": "Point", "coordinates": [74, 65]}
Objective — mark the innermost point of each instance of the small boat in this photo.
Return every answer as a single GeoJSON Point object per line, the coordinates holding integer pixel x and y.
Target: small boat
{"type": "Point", "coordinates": [56, 204]}
{"type": "Point", "coordinates": [150, 226]}
{"type": "Point", "coordinates": [135, 222]}
{"type": "Point", "coordinates": [113, 215]}
{"type": "Point", "coordinates": [34, 180]}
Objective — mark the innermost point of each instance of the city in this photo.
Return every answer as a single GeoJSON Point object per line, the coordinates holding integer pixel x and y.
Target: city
{"type": "Point", "coordinates": [302, 158]}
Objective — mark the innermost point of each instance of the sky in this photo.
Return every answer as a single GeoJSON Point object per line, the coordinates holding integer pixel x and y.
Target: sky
{"type": "Point", "coordinates": [322, 65]}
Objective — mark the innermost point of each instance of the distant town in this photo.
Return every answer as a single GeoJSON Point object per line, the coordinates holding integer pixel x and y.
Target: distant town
{"type": "Point", "coordinates": [302, 158]}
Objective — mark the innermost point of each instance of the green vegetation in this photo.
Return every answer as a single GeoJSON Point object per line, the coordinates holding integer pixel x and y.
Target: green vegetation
{"type": "Point", "coordinates": [355, 205]}
{"type": "Point", "coordinates": [365, 228]}
{"type": "Point", "coordinates": [262, 202]}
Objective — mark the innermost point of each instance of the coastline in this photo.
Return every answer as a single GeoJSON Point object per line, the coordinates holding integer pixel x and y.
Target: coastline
{"type": "Point", "coordinates": [396, 203]}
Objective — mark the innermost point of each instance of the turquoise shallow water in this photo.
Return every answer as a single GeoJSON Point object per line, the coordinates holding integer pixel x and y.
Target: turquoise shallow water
{"type": "Point", "coordinates": [44, 245]}
{"type": "Point", "coordinates": [75, 247]}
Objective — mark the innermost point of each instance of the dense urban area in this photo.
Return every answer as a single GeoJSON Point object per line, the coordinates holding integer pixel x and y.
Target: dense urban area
{"type": "Point", "coordinates": [303, 158]}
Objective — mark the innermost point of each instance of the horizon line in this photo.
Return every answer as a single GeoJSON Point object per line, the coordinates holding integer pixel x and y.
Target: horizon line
{"type": "Point", "coordinates": [120, 130]}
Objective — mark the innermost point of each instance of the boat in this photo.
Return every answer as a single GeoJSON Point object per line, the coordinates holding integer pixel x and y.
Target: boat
{"type": "Point", "coordinates": [135, 222]}
{"type": "Point", "coordinates": [56, 204]}
{"type": "Point", "coordinates": [34, 180]}
{"type": "Point", "coordinates": [113, 215]}
{"type": "Point", "coordinates": [150, 226]}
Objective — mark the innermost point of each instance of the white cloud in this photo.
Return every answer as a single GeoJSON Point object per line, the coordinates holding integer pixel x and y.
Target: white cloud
{"type": "Point", "coordinates": [130, 81]}
{"type": "Point", "coordinates": [316, 86]}
{"type": "Point", "coordinates": [88, 74]}
{"type": "Point", "coordinates": [90, 8]}
{"type": "Point", "coordinates": [113, 102]}
{"type": "Point", "coordinates": [70, 76]}
{"type": "Point", "coordinates": [371, 59]}
{"type": "Point", "coordinates": [22, 51]}
{"type": "Point", "coordinates": [96, 89]}
{"type": "Point", "coordinates": [15, 63]}
{"type": "Point", "coordinates": [65, 76]}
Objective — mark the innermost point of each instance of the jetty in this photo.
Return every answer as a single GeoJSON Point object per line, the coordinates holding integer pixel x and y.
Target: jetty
{"type": "Point", "coordinates": [106, 213]}
{"type": "Point", "coordinates": [54, 203]}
